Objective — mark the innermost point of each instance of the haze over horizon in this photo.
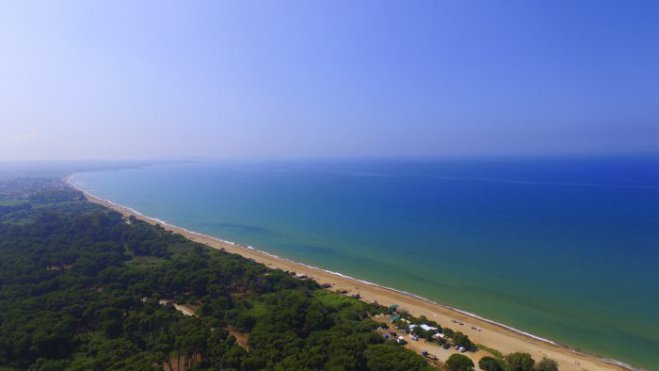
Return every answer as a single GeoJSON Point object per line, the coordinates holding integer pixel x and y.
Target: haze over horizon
{"type": "Point", "coordinates": [149, 80]}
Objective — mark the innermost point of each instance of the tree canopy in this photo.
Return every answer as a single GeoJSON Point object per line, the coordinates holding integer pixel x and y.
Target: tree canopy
{"type": "Point", "coordinates": [547, 364]}
{"type": "Point", "coordinates": [490, 364]}
{"type": "Point", "coordinates": [520, 362]}
{"type": "Point", "coordinates": [83, 288]}
{"type": "Point", "coordinates": [459, 362]}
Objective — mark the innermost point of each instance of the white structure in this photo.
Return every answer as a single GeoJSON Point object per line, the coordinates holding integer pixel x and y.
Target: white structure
{"type": "Point", "coordinates": [424, 327]}
{"type": "Point", "coordinates": [428, 328]}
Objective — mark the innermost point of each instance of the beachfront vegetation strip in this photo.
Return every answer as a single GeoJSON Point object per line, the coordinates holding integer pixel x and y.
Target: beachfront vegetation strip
{"type": "Point", "coordinates": [81, 288]}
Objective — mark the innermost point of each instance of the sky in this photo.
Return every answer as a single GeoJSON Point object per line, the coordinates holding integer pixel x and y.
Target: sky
{"type": "Point", "coordinates": [87, 80]}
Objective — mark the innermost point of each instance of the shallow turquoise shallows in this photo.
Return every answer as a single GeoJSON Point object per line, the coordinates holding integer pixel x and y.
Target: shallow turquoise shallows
{"type": "Point", "coordinates": [564, 248]}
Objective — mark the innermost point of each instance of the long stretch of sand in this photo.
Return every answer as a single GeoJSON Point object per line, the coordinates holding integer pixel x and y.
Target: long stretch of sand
{"type": "Point", "coordinates": [493, 335]}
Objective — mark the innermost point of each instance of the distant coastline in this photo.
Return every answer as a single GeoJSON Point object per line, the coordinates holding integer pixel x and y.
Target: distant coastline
{"type": "Point", "coordinates": [538, 346]}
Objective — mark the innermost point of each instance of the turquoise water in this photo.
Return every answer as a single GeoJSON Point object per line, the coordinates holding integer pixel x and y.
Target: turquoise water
{"type": "Point", "coordinates": [565, 248]}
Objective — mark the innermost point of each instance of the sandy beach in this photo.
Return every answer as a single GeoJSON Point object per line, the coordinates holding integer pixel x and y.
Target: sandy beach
{"type": "Point", "coordinates": [481, 331]}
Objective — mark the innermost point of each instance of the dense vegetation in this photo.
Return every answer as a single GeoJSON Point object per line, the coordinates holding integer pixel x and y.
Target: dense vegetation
{"type": "Point", "coordinates": [458, 362]}
{"type": "Point", "coordinates": [83, 289]}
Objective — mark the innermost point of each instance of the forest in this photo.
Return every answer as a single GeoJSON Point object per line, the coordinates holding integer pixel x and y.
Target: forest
{"type": "Point", "coordinates": [82, 288]}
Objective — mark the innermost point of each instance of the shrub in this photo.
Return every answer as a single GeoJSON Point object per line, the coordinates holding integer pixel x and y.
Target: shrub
{"type": "Point", "coordinates": [520, 362]}
{"type": "Point", "coordinates": [458, 362]}
{"type": "Point", "coordinates": [490, 364]}
{"type": "Point", "coordinates": [547, 365]}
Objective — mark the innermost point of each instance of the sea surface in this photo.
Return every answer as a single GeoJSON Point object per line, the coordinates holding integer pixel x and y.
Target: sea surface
{"type": "Point", "coordinates": [564, 248]}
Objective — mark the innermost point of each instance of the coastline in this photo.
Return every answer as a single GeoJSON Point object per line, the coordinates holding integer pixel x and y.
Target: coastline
{"type": "Point", "coordinates": [504, 338]}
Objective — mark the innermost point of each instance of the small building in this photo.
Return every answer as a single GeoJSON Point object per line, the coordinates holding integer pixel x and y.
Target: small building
{"type": "Point", "coordinates": [394, 319]}
{"type": "Point", "coordinates": [393, 307]}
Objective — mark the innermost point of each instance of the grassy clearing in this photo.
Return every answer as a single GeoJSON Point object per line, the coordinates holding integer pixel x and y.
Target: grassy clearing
{"type": "Point", "coordinates": [333, 299]}
{"type": "Point", "coordinates": [259, 309]}
{"type": "Point", "coordinates": [493, 351]}
{"type": "Point", "coordinates": [179, 248]}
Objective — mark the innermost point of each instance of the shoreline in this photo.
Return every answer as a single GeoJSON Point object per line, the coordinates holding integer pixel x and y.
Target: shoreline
{"type": "Point", "coordinates": [504, 338]}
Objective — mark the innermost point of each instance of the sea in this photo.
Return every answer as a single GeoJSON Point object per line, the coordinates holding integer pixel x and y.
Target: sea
{"type": "Point", "coordinates": [564, 248]}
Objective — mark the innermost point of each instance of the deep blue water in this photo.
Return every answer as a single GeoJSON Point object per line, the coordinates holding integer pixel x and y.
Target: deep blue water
{"type": "Point", "coordinates": [565, 248]}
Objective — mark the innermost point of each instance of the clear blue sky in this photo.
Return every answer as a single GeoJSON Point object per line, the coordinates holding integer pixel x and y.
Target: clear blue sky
{"type": "Point", "coordinates": [138, 79]}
